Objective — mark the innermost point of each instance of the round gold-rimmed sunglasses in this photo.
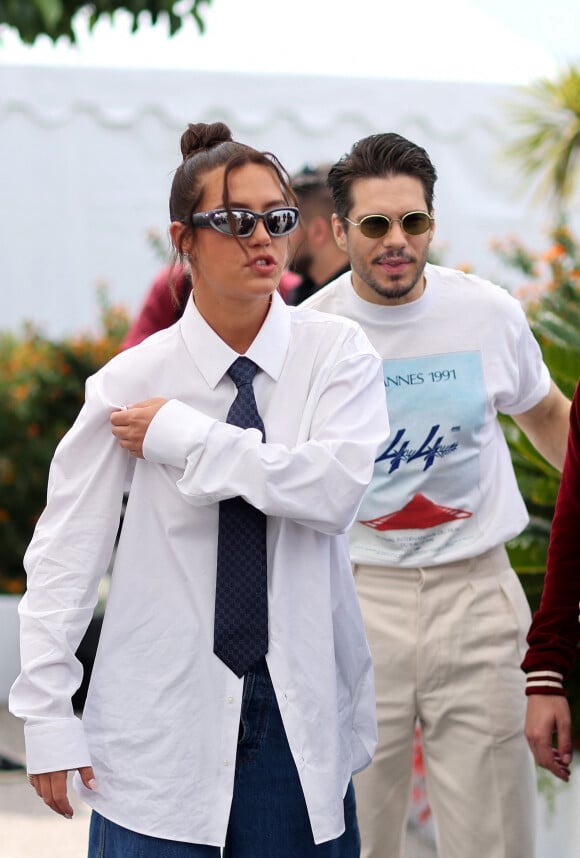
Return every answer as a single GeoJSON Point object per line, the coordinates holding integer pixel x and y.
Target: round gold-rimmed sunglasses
{"type": "Point", "coordinates": [376, 226]}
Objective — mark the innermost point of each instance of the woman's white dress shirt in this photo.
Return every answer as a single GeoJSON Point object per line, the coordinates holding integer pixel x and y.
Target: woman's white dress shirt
{"type": "Point", "coordinates": [160, 725]}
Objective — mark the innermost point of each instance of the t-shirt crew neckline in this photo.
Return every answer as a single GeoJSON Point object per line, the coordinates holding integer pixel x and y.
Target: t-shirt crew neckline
{"type": "Point", "coordinates": [396, 314]}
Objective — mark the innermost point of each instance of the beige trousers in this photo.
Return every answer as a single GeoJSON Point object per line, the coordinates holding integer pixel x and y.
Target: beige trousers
{"type": "Point", "coordinates": [447, 642]}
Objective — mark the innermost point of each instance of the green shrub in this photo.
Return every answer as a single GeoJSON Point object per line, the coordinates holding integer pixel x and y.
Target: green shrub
{"type": "Point", "coordinates": [552, 302]}
{"type": "Point", "coordinates": [41, 391]}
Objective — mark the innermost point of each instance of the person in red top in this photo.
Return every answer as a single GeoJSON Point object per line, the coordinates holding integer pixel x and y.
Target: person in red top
{"type": "Point", "coordinates": [163, 305]}
{"type": "Point", "coordinates": [555, 630]}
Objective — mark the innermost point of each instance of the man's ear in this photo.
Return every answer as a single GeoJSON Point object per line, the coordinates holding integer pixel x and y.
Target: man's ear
{"type": "Point", "coordinates": [319, 232]}
{"type": "Point", "coordinates": [339, 233]}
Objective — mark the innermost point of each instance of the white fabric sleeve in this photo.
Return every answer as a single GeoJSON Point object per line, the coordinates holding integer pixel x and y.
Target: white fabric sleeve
{"type": "Point", "coordinates": [69, 553]}
{"type": "Point", "coordinates": [531, 378]}
{"type": "Point", "coordinates": [319, 483]}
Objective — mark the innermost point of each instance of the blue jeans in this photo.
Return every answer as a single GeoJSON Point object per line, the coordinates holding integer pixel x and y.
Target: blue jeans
{"type": "Point", "coordinates": [268, 817]}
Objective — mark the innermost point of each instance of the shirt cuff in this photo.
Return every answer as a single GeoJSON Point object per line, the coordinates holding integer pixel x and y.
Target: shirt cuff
{"type": "Point", "coordinates": [55, 745]}
{"type": "Point", "coordinates": [176, 431]}
{"type": "Point", "coordinates": [545, 682]}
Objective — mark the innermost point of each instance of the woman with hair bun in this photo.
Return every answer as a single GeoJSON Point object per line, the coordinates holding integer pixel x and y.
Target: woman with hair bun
{"type": "Point", "coordinates": [231, 697]}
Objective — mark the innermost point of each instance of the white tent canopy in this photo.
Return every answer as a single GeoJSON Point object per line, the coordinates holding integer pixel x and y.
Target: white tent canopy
{"type": "Point", "coordinates": [87, 157]}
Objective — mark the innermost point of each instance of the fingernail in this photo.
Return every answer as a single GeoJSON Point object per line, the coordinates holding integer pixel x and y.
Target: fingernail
{"type": "Point", "coordinates": [567, 759]}
{"type": "Point", "coordinates": [67, 815]}
{"type": "Point", "coordinates": [92, 784]}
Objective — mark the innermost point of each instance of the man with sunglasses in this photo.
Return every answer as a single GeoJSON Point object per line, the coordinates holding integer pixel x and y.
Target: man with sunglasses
{"type": "Point", "coordinates": [445, 614]}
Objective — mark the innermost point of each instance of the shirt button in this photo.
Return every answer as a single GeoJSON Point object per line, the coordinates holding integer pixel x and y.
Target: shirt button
{"type": "Point", "coordinates": [227, 763]}
{"type": "Point", "coordinates": [230, 699]}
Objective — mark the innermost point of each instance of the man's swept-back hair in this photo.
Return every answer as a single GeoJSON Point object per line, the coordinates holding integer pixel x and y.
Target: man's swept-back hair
{"type": "Point", "coordinates": [380, 156]}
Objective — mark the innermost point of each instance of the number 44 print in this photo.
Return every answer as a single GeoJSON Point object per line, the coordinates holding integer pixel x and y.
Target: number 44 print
{"type": "Point", "coordinates": [432, 447]}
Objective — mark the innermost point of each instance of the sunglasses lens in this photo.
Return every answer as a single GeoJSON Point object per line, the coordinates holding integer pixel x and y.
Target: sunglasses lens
{"type": "Point", "coordinates": [281, 221]}
{"type": "Point", "coordinates": [220, 221]}
{"type": "Point", "coordinates": [413, 223]}
{"type": "Point", "coordinates": [375, 226]}
{"type": "Point", "coordinates": [416, 223]}
{"type": "Point", "coordinates": [243, 223]}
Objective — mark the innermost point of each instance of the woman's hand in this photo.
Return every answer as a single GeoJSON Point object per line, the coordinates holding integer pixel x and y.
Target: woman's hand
{"type": "Point", "coordinates": [130, 424]}
{"type": "Point", "coordinates": [52, 788]}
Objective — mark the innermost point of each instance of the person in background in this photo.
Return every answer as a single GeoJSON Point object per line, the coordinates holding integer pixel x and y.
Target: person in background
{"type": "Point", "coordinates": [445, 613]}
{"type": "Point", "coordinates": [316, 259]}
{"type": "Point", "coordinates": [232, 693]}
{"type": "Point", "coordinates": [555, 630]}
{"type": "Point", "coordinates": [315, 255]}
{"type": "Point", "coordinates": [163, 305]}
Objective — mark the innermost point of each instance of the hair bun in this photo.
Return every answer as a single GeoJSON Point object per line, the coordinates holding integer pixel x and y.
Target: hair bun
{"type": "Point", "coordinates": [203, 135]}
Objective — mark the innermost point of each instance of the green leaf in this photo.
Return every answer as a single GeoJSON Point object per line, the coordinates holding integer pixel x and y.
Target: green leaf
{"type": "Point", "coordinates": [53, 18]}
{"type": "Point", "coordinates": [547, 151]}
{"type": "Point", "coordinates": [51, 12]}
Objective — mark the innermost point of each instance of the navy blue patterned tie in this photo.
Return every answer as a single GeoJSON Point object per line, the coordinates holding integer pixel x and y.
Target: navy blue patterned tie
{"type": "Point", "coordinates": [241, 601]}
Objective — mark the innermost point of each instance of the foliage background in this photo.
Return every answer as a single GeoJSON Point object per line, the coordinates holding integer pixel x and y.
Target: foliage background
{"type": "Point", "coordinates": [41, 392]}
{"type": "Point", "coordinates": [552, 302]}
{"type": "Point", "coordinates": [53, 18]}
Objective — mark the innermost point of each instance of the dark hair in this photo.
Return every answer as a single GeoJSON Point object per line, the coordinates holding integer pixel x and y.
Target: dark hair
{"type": "Point", "coordinates": [204, 147]}
{"type": "Point", "coordinates": [312, 192]}
{"type": "Point", "coordinates": [380, 155]}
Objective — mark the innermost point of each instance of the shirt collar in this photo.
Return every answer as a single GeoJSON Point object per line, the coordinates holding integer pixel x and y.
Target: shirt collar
{"type": "Point", "coordinates": [213, 356]}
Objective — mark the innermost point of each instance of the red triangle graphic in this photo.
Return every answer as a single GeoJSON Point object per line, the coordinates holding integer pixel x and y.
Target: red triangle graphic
{"type": "Point", "coordinates": [420, 513]}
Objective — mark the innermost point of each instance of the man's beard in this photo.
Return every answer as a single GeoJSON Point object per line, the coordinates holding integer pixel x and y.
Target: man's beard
{"type": "Point", "coordinates": [394, 290]}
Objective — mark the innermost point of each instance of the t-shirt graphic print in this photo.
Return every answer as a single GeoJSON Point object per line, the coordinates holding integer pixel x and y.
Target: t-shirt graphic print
{"type": "Point", "coordinates": [425, 490]}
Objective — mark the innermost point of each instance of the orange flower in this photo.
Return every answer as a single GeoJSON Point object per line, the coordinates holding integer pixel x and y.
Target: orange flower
{"type": "Point", "coordinates": [554, 252]}
{"type": "Point", "coordinates": [529, 292]}
{"type": "Point", "coordinates": [11, 586]}
{"type": "Point", "coordinates": [21, 392]}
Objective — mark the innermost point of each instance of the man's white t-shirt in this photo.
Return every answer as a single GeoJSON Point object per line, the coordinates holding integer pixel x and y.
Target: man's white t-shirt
{"type": "Point", "coordinates": [444, 488]}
